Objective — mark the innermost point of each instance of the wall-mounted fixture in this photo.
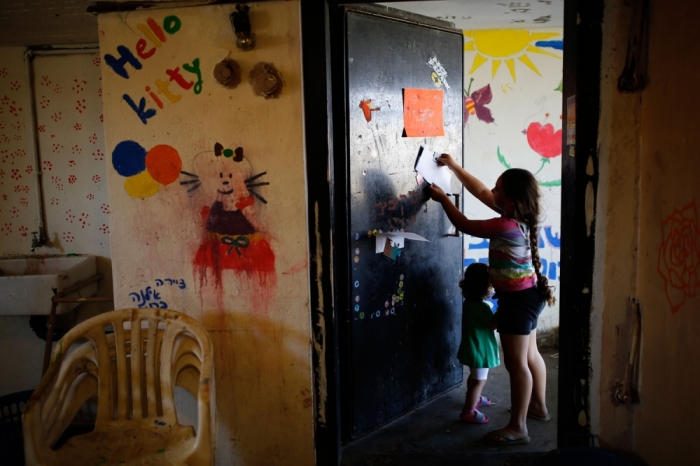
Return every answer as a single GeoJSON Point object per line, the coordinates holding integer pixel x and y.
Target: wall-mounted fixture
{"type": "Point", "coordinates": [241, 26]}
{"type": "Point", "coordinates": [40, 241]}
{"type": "Point", "coordinates": [265, 80]}
{"type": "Point", "coordinates": [634, 76]}
{"type": "Point", "coordinates": [228, 73]}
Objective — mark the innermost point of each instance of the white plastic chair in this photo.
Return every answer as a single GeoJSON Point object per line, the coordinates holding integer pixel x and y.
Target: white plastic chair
{"type": "Point", "coordinates": [131, 361]}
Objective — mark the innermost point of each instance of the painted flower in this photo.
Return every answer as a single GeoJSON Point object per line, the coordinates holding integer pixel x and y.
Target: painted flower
{"type": "Point", "coordinates": [544, 140]}
{"type": "Point", "coordinates": [679, 256]}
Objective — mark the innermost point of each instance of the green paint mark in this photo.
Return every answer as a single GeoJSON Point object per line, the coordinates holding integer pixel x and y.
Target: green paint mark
{"type": "Point", "coordinates": [501, 158]}
{"type": "Point", "coordinates": [561, 87]}
{"type": "Point", "coordinates": [544, 161]}
{"type": "Point", "coordinates": [550, 184]}
{"type": "Point", "coordinates": [162, 450]}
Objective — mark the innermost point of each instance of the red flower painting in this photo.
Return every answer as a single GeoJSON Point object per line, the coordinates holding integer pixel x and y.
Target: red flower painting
{"type": "Point", "coordinates": [544, 140]}
{"type": "Point", "coordinates": [679, 256]}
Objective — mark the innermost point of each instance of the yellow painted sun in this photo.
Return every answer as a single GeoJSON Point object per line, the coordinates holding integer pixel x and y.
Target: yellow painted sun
{"type": "Point", "coordinates": [505, 45]}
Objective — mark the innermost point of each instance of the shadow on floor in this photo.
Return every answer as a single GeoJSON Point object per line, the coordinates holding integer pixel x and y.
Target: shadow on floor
{"type": "Point", "coordinates": [433, 433]}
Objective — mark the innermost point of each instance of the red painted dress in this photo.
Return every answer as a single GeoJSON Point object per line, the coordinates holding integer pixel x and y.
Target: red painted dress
{"type": "Point", "coordinates": [233, 243]}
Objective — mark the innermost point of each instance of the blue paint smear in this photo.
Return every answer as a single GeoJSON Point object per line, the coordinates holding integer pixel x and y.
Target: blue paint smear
{"type": "Point", "coordinates": [129, 158]}
{"type": "Point", "coordinates": [553, 44]}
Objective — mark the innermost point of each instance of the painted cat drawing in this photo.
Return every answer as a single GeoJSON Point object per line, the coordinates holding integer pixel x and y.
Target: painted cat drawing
{"type": "Point", "coordinates": [233, 239]}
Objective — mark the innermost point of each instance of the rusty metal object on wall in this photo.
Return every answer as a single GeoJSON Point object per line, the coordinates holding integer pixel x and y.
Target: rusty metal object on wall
{"type": "Point", "coordinates": [241, 25]}
{"type": "Point", "coordinates": [634, 75]}
{"type": "Point", "coordinates": [228, 73]}
{"type": "Point", "coordinates": [627, 390]}
{"type": "Point", "coordinates": [265, 80]}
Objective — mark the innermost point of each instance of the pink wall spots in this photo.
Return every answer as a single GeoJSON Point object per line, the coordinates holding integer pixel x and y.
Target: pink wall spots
{"type": "Point", "coordinates": [68, 104]}
{"type": "Point", "coordinates": [232, 238]}
{"type": "Point", "coordinates": [68, 108]}
{"type": "Point", "coordinates": [679, 256]}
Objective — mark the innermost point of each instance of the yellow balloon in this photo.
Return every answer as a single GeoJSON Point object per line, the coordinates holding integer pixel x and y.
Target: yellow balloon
{"type": "Point", "coordinates": [141, 185]}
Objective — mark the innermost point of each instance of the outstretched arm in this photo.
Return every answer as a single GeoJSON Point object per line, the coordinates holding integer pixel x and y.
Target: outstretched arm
{"type": "Point", "coordinates": [458, 219]}
{"type": "Point", "coordinates": [473, 185]}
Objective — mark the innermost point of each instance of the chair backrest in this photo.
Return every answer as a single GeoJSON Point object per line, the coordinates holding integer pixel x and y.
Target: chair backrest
{"type": "Point", "coordinates": [131, 359]}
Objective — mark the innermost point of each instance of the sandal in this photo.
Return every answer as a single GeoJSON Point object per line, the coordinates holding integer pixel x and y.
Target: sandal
{"type": "Point", "coordinates": [499, 438]}
{"type": "Point", "coordinates": [477, 418]}
{"type": "Point", "coordinates": [483, 401]}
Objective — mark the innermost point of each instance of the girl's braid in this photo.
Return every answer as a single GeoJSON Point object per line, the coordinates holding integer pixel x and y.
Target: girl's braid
{"type": "Point", "coordinates": [542, 282]}
{"type": "Point", "coordinates": [522, 189]}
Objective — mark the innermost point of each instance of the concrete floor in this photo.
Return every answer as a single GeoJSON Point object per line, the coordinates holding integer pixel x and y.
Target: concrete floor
{"type": "Point", "coordinates": [433, 433]}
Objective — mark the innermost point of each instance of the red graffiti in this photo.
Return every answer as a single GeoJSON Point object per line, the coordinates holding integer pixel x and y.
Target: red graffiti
{"type": "Point", "coordinates": [679, 256]}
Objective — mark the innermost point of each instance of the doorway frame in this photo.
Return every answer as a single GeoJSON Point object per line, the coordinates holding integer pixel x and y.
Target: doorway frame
{"type": "Point", "coordinates": [581, 80]}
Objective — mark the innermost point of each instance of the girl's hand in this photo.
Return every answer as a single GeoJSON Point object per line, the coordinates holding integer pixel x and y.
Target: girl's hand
{"type": "Point", "coordinates": [436, 193]}
{"type": "Point", "coordinates": [445, 159]}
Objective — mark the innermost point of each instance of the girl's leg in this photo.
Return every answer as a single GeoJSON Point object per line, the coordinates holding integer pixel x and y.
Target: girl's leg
{"type": "Point", "coordinates": [515, 355]}
{"type": "Point", "coordinates": [474, 387]}
{"type": "Point", "coordinates": [538, 405]}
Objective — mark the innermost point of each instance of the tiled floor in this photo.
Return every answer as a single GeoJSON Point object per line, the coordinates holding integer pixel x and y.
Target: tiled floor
{"type": "Point", "coordinates": [433, 433]}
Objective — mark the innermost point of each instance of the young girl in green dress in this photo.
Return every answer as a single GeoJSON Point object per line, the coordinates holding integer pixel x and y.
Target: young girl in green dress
{"type": "Point", "coordinates": [479, 348]}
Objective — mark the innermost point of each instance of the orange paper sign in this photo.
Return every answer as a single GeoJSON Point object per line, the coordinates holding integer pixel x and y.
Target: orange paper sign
{"type": "Point", "coordinates": [422, 112]}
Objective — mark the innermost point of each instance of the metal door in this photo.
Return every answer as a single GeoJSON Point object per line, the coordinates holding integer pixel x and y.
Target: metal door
{"type": "Point", "coordinates": [400, 331]}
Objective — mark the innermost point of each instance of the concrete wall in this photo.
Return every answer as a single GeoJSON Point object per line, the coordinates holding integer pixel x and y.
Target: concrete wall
{"type": "Point", "coordinates": [648, 244]}
{"type": "Point", "coordinates": [519, 127]}
{"type": "Point", "coordinates": [71, 159]}
{"type": "Point", "coordinates": [207, 196]}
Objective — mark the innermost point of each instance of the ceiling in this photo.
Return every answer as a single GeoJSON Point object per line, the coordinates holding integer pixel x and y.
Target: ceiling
{"type": "Point", "coordinates": [490, 14]}
{"type": "Point", "coordinates": [66, 22]}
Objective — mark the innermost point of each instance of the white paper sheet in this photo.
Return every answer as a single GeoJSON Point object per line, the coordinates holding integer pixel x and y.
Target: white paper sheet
{"type": "Point", "coordinates": [429, 169]}
{"type": "Point", "coordinates": [406, 234]}
{"type": "Point", "coordinates": [397, 238]}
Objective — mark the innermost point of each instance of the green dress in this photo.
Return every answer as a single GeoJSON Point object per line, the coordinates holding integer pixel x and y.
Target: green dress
{"type": "Point", "coordinates": [479, 348]}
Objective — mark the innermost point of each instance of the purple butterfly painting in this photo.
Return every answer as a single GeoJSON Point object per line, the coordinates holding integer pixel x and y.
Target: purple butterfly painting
{"type": "Point", "coordinates": [476, 104]}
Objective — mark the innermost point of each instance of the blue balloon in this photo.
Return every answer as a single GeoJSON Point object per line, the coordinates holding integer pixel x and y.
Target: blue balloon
{"type": "Point", "coordinates": [129, 158]}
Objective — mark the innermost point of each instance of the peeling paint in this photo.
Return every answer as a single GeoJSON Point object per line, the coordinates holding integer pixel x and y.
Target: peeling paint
{"type": "Point", "coordinates": [582, 418]}
{"type": "Point", "coordinates": [320, 337]}
{"type": "Point", "coordinates": [590, 207]}
{"type": "Point", "coordinates": [590, 170]}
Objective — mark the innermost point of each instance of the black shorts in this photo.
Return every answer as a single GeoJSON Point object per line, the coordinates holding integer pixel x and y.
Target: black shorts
{"type": "Point", "coordinates": [518, 311]}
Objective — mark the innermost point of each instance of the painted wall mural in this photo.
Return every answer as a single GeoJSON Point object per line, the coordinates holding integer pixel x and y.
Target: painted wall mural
{"type": "Point", "coordinates": [475, 103]}
{"type": "Point", "coordinates": [505, 46]}
{"type": "Point", "coordinates": [155, 36]}
{"type": "Point", "coordinates": [234, 238]}
{"type": "Point", "coordinates": [145, 171]}
{"type": "Point", "coordinates": [207, 184]}
{"type": "Point", "coordinates": [513, 120]}
{"type": "Point", "coordinates": [224, 179]}
{"type": "Point", "coordinates": [679, 256]}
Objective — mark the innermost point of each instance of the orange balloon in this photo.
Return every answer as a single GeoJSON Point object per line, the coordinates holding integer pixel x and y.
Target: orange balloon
{"type": "Point", "coordinates": [163, 164]}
